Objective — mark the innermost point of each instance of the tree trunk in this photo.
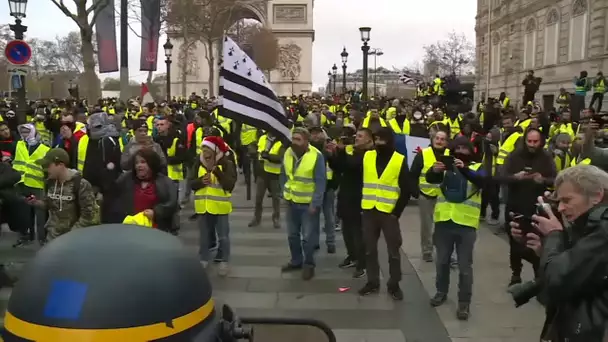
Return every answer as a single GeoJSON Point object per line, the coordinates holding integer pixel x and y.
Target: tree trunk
{"type": "Point", "coordinates": [90, 85]}
{"type": "Point", "coordinates": [186, 60]}
{"type": "Point", "coordinates": [211, 63]}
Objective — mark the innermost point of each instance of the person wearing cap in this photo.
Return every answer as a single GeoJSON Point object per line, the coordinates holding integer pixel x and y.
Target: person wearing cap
{"type": "Point", "coordinates": [457, 214]}
{"type": "Point", "coordinates": [212, 182]}
{"type": "Point", "coordinates": [140, 140]}
{"type": "Point", "coordinates": [303, 180]}
{"type": "Point", "coordinates": [386, 191]}
{"type": "Point", "coordinates": [69, 198]}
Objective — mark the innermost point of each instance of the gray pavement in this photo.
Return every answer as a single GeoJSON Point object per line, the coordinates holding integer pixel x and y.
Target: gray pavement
{"type": "Point", "coordinates": [256, 287]}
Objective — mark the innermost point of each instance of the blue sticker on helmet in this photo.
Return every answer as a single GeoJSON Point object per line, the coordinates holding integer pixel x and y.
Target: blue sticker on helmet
{"type": "Point", "coordinates": [65, 300]}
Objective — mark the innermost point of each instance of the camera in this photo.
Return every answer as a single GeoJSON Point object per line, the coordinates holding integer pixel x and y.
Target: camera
{"type": "Point", "coordinates": [522, 293]}
{"type": "Point", "coordinates": [347, 140]}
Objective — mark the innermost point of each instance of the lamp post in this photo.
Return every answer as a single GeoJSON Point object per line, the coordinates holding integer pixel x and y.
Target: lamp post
{"type": "Point", "coordinates": [376, 53]}
{"type": "Point", "coordinates": [168, 51]}
{"type": "Point", "coordinates": [17, 10]}
{"type": "Point", "coordinates": [329, 76]}
{"type": "Point", "coordinates": [365, 33]}
{"type": "Point", "coordinates": [334, 71]}
{"type": "Point", "coordinates": [292, 81]}
{"type": "Point", "coordinates": [344, 56]}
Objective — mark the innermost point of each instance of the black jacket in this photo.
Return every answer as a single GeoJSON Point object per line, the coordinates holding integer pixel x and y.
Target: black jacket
{"type": "Point", "coordinates": [101, 152]}
{"type": "Point", "coordinates": [574, 276]}
{"type": "Point", "coordinates": [12, 205]}
{"type": "Point", "coordinates": [166, 191]}
{"type": "Point", "coordinates": [349, 170]}
{"type": "Point", "coordinates": [181, 150]}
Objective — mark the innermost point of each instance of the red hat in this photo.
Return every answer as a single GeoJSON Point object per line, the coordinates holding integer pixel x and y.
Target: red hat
{"type": "Point", "coordinates": [217, 144]}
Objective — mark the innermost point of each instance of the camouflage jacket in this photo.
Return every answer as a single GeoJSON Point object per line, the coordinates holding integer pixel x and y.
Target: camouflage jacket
{"type": "Point", "coordinates": [65, 213]}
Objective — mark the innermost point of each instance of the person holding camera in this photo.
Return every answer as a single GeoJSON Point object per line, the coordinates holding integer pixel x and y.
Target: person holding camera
{"type": "Point", "coordinates": [573, 261]}
{"type": "Point", "coordinates": [528, 172]}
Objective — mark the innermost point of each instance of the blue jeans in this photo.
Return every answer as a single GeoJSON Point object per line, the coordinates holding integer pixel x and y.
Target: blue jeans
{"type": "Point", "coordinates": [302, 233]}
{"type": "Point", "coordinates": [329, 215]}
{"type": "Point", "coordinates": [219, 223]}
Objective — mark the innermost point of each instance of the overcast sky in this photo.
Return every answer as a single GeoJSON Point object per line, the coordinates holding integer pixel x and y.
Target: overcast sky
{"type": "Point", "coordinates": [399, 27]}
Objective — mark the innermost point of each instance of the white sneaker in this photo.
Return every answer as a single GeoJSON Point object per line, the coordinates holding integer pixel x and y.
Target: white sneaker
{"type": "Point", "coordinates": [223, 269]}
{"type": "Point", "coordinates": [204, 263]}
{"type": "Point", "coordinates": [493, 222]}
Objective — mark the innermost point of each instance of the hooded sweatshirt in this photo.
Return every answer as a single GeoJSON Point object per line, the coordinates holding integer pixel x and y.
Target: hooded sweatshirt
{"type": "Point", "coordinates": [68, 210]}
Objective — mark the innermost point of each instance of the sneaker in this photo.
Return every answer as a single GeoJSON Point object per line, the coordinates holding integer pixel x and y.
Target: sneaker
{"type": "Point", "coordinates": [254, 223]}
{"type": "Point", "coordinates": [290, 267]}
{"type": "Point", "coordinates": [331, 249]}
{"type": "Point", "coordinates": [276, 224]}
{"type": "Point", "coordinates": [338, 227]}
{"type": "Point", "coordinates": [308, 272]}
{"type": "Point", "coordinates": [217, 260]}
{"type": "Point", "coordinates": [368, 289]}
{"type": "Point", "coordinates": [347, 263]}
{"type": "Point", "coordinates": [438, 299]}
{"type": "Point", "coordinates": [515, 279]}
{"type": "Point", "coordinates": [223, 269]}
{"type": "Point", "coordinates": [359, 274]}
{"type": "Point", "coordinates": [427, 257]}
{"type": "Point", "coordinates": [395, 292]}
{"type": "Point", "coordinates": [204, 263]}
{"type": "Point", "coordinates": [463, 312]}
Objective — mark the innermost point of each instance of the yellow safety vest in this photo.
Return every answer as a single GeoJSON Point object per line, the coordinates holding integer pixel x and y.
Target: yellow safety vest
{"type": "Point", "coordinates": [32, 173]}
{"type": "Point", "coordinates": [83, 144]}
{"type": "Point", "coordinates": [350, 149]}
{"type": "Point", "coordinates": [562, 163]}
{"type": "Point", "coordinates": [329, 172]}
{"type": "Point", "coordinates": [46, 137]}
{"type": "Point", "coordinates": [400, 130]}
{"type": "Point", "coordinates": [562, 128]}
{"type": "Point", "coordinates": [465, 213]}
{"type": "Point", "coordinates": [138, 219]}
{"type": "Point", "coordinates": [381, 192]}
{"type": "Point", "coordinates": [507, 147]}
{"type": "Point", "coordinates": [300, 185]}
{"type": "Point", "coordinates": [248, 134]}
{"type": "Point", "coordinates": [366, 122]}
{"type": "Point", "coordinates": [523, 124]}
{"type": "Point", "coordinates": [80, 127]}
{"type": "Point", "coordinates": [176, 171]}
{"type": "Point", "coordinates": [212, 199]}
{"type": "Point", "coordinates": [270, 167]}
{"type": "Point", "coordinates": [226, 123]}
{"type": "Point", "coordinates": [454, 126]}
{"type": "Point", "coordinates": [198, 139]}
{"type": "Point", "coordinates": [428, 159]}
{"type": "Point", "coordinates": [150, 123]}
{"type": "Point", "coordinates": [585, 161]}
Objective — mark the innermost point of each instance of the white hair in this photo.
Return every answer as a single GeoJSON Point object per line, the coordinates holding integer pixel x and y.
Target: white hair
{"type": "Point", "coordinates": [589, 180]}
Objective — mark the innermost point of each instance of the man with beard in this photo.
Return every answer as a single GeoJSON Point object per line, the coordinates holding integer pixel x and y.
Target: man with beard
{"type": "Point", "coordinates": [528, 172]}
{"type": "Point", "coordinates": [386, 192]}
{"type": "Point", "coordinates": [303, 179]}
{"type": "Point", "coordinates": [347, 164]}
{"type": "Point", "coordinates": [318, 139]}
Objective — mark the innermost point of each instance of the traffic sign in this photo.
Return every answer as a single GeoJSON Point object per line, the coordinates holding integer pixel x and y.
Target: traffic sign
{"type": "Point", "coordinates": [18, 52]}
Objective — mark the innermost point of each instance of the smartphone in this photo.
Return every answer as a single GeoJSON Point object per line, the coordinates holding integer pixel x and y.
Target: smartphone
{"type": "Point", "coordinates": [543, 209]}
{"type": "Point", "coordinates": [448, 161]}
{"type": "Point", "coordinates": [525, 225]}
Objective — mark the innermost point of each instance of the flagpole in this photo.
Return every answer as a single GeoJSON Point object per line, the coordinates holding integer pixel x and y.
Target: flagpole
{"type": "Point", "coordinates": [489, 42]}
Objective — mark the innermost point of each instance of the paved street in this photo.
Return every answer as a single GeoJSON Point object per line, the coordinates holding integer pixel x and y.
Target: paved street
{"type": "Point", "coordinates": [256, 287]}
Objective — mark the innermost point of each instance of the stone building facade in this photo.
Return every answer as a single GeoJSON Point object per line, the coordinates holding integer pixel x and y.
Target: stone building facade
{"type": "Point", "coordinates": [556, 39]}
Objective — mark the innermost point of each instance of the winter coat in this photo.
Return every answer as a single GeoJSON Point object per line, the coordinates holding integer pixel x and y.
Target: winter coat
{"type": "Point", "coordinates": [68, 210]}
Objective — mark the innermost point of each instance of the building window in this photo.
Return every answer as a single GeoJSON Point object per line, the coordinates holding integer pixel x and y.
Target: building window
{"type": "Point", "coordinates": [530, 44]}
{"type": "Point", "coordinates": [496, 52]}
{"type": "Point", "coordinates": [578, 30]}
{"type": "Point", "coordinates": [552, 37]}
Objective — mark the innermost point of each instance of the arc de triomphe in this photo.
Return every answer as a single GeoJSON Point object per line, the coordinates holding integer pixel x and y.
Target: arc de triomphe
{"type": "Point", "coordinates": [291, 22]}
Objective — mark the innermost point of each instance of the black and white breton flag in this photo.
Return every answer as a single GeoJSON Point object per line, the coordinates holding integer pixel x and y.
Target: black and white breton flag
{"type": "Point", "coordinates": [246, 95]}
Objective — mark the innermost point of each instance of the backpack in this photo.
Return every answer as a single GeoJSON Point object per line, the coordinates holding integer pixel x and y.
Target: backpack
{"type": "Point", "coordinates": [77, 182]}
{"type": "Point", "coordinates": [455, 187]}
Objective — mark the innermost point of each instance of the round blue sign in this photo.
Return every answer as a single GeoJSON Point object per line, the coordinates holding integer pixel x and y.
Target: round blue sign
{"type": "Point", "coordinates": [18, 52]}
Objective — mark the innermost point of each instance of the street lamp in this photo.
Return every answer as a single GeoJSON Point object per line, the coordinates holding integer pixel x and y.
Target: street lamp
{"type": "Point", "coordinates": [168, 51]}
{"type": "Point", "coordinates": [365, 37]}
{"type": "Point", "coordinates": [334, 71]}
{"type": "Point", "coordinates": [329, 76]}
{"type": "Point", "coordinates": [17, 10]}
{"type": "Point", "coordinates": [344, 56]}
{"type": "Point", "coordinates": [376, 53]}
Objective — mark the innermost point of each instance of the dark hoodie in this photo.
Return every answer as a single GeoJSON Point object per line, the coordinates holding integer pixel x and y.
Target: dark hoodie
{"type": "Point", "coordinates": [385, 153]}
{"type": "Point", "coordinates": [523, 193]}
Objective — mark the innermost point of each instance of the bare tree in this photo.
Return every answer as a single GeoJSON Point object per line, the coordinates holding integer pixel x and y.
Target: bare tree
{"type": "Point", "coordinates": [85, 17]}
{"type": "Point", "coordinates": [243, 31]}
{"type": "Point", "coordinates": [5, 37]}
{"type": "Point", "coordinates": [451, 55]}
{"type": "Point", "coordinates": [265, 50]}
{"type": "Point", "coordinates": [213, 18]}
